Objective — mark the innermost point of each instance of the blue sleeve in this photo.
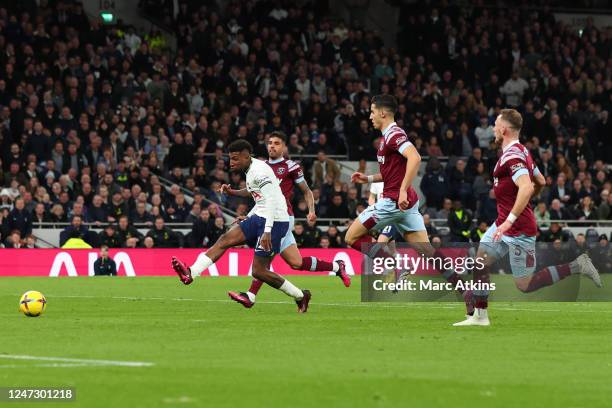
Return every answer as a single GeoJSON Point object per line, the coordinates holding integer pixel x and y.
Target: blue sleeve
{"type": "Point", "coordinates": [519, 173]}
{"type": "Point", "coordinates": [536, 171]}
{"type": "Point", "coordinates": [403, 147]}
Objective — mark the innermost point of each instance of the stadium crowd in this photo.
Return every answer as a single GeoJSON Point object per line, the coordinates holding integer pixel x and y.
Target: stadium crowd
{"type": "Point", "coordinates": [93, 118]}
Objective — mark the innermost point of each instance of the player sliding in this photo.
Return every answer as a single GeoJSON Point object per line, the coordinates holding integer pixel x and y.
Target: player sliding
{"type": "Point", "coordinates": [263, 230]}
{"type": "Point", "coordinates": [288, 173]}
{"type": "Point", "coordinates": [514, 176]}
{"type": "Point", "coordinates": [399, 206]}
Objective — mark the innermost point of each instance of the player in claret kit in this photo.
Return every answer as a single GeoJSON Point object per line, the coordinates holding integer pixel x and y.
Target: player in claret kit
{"type": "Point", "coordinates": [399, 206]}
{"type": "Point", "coordinates": [289, 174]}
{"type": "Point", "coordinates": [514, 231]}
{"type": "Point", "coordinates": [263, 230]}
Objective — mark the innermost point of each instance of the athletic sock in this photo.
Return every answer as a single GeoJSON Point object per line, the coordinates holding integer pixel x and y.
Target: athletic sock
{"type": "Point", "coordinates": [254, 289]}
{"type": "Point", "coordinates": [548, 276]}
{"type": "Point", "coordinates": [336, 267]}
{"type": "Point", "coordinates": [200, 264]}
{"type": "Point", "coordinates": [481, 302]}
{"type": "Point", "coordinates": [291, 290]}
{"type": "Point", "coordinates": [311, 263]}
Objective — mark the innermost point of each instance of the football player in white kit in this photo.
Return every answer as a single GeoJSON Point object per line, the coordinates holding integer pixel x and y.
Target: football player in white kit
{"type": "Point", "coordinates": [263, 230]}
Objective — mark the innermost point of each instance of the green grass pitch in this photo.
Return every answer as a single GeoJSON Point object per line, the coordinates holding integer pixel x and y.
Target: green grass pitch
{"type": "Point", "coordinates": [206, 351]}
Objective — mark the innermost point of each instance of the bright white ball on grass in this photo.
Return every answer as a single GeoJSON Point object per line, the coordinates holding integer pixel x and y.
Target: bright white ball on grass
{"type": "Point", "coordinates": [32, 303]}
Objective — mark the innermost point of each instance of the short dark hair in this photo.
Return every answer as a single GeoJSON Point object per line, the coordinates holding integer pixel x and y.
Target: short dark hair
{"type": "Point", "coordinates": [240, 145]}
{"type": "Point", "coordinates": [385, 101]}
{"type": "Point", "coordinates": [280, 135]}
{"type": "Point", "coordinates": [513, 117]}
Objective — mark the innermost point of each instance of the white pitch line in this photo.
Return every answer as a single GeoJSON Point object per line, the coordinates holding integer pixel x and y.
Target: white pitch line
{"type": "Point", "coordinates": [83, 361]}
{"type": "Point", "coordinates": [442, 305]}
{"type": "Point", "coordinates": [54, 365]}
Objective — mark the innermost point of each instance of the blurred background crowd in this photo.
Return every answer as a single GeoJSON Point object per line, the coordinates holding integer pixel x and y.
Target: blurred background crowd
{"type": "Point", "coordinates": [107, 128]}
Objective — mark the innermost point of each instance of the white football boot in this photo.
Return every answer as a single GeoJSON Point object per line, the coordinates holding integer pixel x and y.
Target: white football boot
{"type": "Point", "coordinates": [585, 267]}
{"type": "Point", "coordinates": [479, 318]}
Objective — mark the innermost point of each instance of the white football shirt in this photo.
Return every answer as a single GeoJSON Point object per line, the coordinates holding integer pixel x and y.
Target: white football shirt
{"type": "Point", "coordinates": [377, 189]}
{"type": "Point", "coordinates": [265, 188]}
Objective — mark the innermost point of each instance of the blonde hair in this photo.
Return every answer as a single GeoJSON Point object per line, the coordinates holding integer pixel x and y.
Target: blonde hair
{"type": "Point", "coordinates": [513, 117]}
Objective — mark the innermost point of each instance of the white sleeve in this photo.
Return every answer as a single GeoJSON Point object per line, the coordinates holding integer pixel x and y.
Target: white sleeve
{"type": "Point", "coordinates": [267, 190]}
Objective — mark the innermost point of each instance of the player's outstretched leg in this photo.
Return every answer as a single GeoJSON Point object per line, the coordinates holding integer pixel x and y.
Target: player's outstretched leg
{"type": "Point", "coordinates": [550, 275]}
{"type": "Point", "coordinates": [294, 259]}
{"type": "Point", "coordinates": [231, 238]}
{"type": "Point", "coordinates": [261, 272]}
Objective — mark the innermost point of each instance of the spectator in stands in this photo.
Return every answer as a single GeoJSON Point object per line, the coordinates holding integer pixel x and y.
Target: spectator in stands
{"type": "Point", "coordinates": [459, 223]}
{"type": "Point", "coordinates": [334, 237]}
{"type": "Point", "coordinates": [605, 208]}
{"type": "Point", "coordinates": [434, 184]}
{"type": "Point", "coordinates": [30, 242]}
{"type": "Point", "coordinates": [109, 237]}
{"type": "Point", "coordinates": [302, 239]}
{"type": "Point", "coordinates": [140, 215]}
{"type": "Point", "coordinates": [602, 254]}
{"type": "Point", "coordinates": [104, 265]}
{"type": "Point", "coordinates": [76, 229]}
{"type": "Point", "coordinates": [446, 209]}
{"type": "Point", "coordinates": [324, 242]}
{"type": "Point", "coordinates": [338, 208]}
{"type": "Point", "coordinates": [325, 168]}
{"type": "Point", "coordinates": [200, 230]}
{"type": "Point", "coordinates": [128, 235]}
{"type": "Point", "coordinates": [478, 232]}
{"type": "Point", "coordinates": [557, 212]}
{"type": "Point", "coordinates": [484, 133]}
{"type": "Point", "coordinates": [75, 240]}
{"type": "Point", "coordinates": [586, 211]}
{"type": "Point", "coordinates": [461, 184]}
{"type": "Point", "coordinates": [179, 209]}
{"type": "Point", "coordinates": [580, 246]}
{"type": "Point", "coordinates": [217, 229]}
{"type": "Point", "coordinates": [39, 216]}
{"type": "Point", "coordinates": [163, 236]}
{"type": "Point", "coordinates": [311, 230]}
{"type": "Point", "coordinates": [554, 233]}
{"type": "Point", "coordinates": [14, 240]}
{"type": "Point", "coordinates": [19, 219]}
{"type": "Point", "coordinates": [542, 215]}
{"type": "Point", "coordinates": [513, 89]}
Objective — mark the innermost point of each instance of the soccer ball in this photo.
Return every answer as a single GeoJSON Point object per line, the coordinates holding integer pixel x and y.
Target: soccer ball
{"type": "Point", "coordinates": [32, 303]}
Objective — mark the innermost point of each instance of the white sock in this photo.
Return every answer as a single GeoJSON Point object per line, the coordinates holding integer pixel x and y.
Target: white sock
{"type": "Point", "coordinates": [336, 266]}
{"type": "Point", "coordinates": [251, 296]}
{"type": "Point", "coordinates": [291, 290]}
{"type": "Point", "coordinates": [200, 264]}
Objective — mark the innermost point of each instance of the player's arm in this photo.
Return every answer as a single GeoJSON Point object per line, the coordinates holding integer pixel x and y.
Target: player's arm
{"type": "Point", "coordinates": [538, 181]}
{"type": "Point", "coordinates": [226, 189]}
{"type": "Point", "coordinates": [524, 194]}
{"type": "Point", "coordinates": [413, 161]}
{"type": "Point", "coordinates": [360, 178]}
{"type": "Point", "coordinates": [309, 197]}
{"type": "Point", "coordinates": [268, 191]}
